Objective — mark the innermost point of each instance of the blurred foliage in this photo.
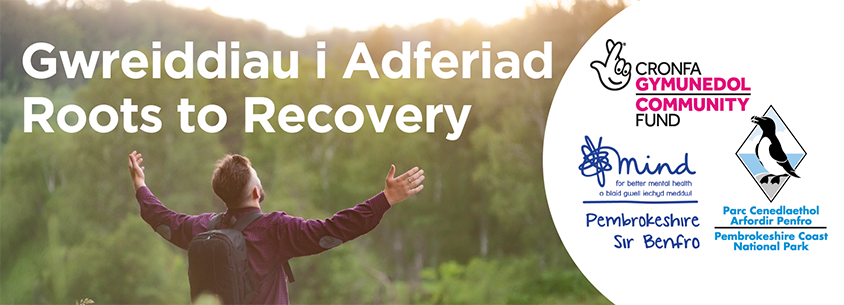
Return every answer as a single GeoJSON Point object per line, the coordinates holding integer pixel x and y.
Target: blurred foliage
{"type": "Point", "coordinates": [481, 232]}
{"type": "Point", "coordinates": [514, 280]}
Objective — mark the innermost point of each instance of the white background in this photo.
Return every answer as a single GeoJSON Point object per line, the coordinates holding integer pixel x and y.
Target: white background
{"type": "Point", "coordinates": [791, 55]}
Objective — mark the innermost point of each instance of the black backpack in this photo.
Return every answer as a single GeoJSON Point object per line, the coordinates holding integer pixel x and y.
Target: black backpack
{"type": "Point", "coordinates": [218, 262]}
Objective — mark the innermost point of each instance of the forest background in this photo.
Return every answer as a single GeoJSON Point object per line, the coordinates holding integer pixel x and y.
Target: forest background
{"type": "Point", "coordinates": [480, 232]}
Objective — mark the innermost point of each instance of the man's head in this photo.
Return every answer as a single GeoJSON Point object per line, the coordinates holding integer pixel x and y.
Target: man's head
{"type": "Point", "coordinates": [236, 182]}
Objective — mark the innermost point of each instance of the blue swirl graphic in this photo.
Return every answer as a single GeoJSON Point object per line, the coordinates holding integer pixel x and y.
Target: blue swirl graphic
{"type": "Point", "coordinates": [595, 161]}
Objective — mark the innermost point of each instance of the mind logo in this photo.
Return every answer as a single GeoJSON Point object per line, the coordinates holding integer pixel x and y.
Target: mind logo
{"type": "Point", "coordinates": [597, 162]}
{"type": "Point", "coordinates": [771, 153]}
{"type": "Point", "coordinates": [614, 71]}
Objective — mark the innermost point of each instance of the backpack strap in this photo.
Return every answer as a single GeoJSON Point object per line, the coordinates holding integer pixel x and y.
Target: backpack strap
{"type": "Point", "coordinates": [289, 272]}
{"type": "Point", "coordinates": [246, 219]}
{"type": "Point", "coordinates": [215, 222]}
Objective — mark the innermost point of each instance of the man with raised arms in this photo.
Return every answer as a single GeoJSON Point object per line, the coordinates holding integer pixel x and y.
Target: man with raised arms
{"type": "Point", "coordinates": [275, 237]}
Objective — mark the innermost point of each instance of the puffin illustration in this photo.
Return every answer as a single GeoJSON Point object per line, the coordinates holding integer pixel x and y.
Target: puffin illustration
{"type": "Point", "coordinates": [769, 152]}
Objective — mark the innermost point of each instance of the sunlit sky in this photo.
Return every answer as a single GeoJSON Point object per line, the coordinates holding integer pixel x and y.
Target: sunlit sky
{"type": "Point", "coordinates": [302, 17]}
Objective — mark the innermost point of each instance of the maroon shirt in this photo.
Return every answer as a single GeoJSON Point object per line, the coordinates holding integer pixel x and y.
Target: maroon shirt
{"type": "Point", "coordinates": [272, 239]}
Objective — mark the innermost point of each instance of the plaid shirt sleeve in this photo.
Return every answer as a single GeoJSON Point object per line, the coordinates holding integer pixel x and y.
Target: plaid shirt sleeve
{"type": "Point", "coordinates": [176, 228]}
{"type": "Point", "coordinates": [299, 237]}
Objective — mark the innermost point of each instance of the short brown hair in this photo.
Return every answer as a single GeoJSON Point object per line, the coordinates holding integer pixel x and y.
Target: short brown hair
{"type": "Point", "coordinates": [232, 175]}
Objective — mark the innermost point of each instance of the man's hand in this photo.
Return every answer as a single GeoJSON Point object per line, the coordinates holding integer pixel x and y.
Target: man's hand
{"type": "Point", "coordinates": [136, 170]}
{"type": "Point", "coordinates": [399, 188]}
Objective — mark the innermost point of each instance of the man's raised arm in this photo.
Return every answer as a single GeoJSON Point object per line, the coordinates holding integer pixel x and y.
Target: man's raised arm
{"type": "Point", "coordinates": [176, 228]}
{"type": "Point", "coordinates": [299, 237]}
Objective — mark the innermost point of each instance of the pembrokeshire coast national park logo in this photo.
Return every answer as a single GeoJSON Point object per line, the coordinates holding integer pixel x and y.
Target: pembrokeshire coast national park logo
{"type": "Point", "coordinates": [614, 72]}
{"type": "Point", "coordinates": [771, 153]}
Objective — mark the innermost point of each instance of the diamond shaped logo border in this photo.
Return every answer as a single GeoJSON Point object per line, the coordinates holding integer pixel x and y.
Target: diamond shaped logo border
{"type": "Point", "coordinates": [745, 142]}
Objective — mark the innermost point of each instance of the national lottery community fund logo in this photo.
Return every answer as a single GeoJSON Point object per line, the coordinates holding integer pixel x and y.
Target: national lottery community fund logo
{"type": "Point", "coordinates": [614, 71]}
{"type": "Point", "coordinates": [665, 89]}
